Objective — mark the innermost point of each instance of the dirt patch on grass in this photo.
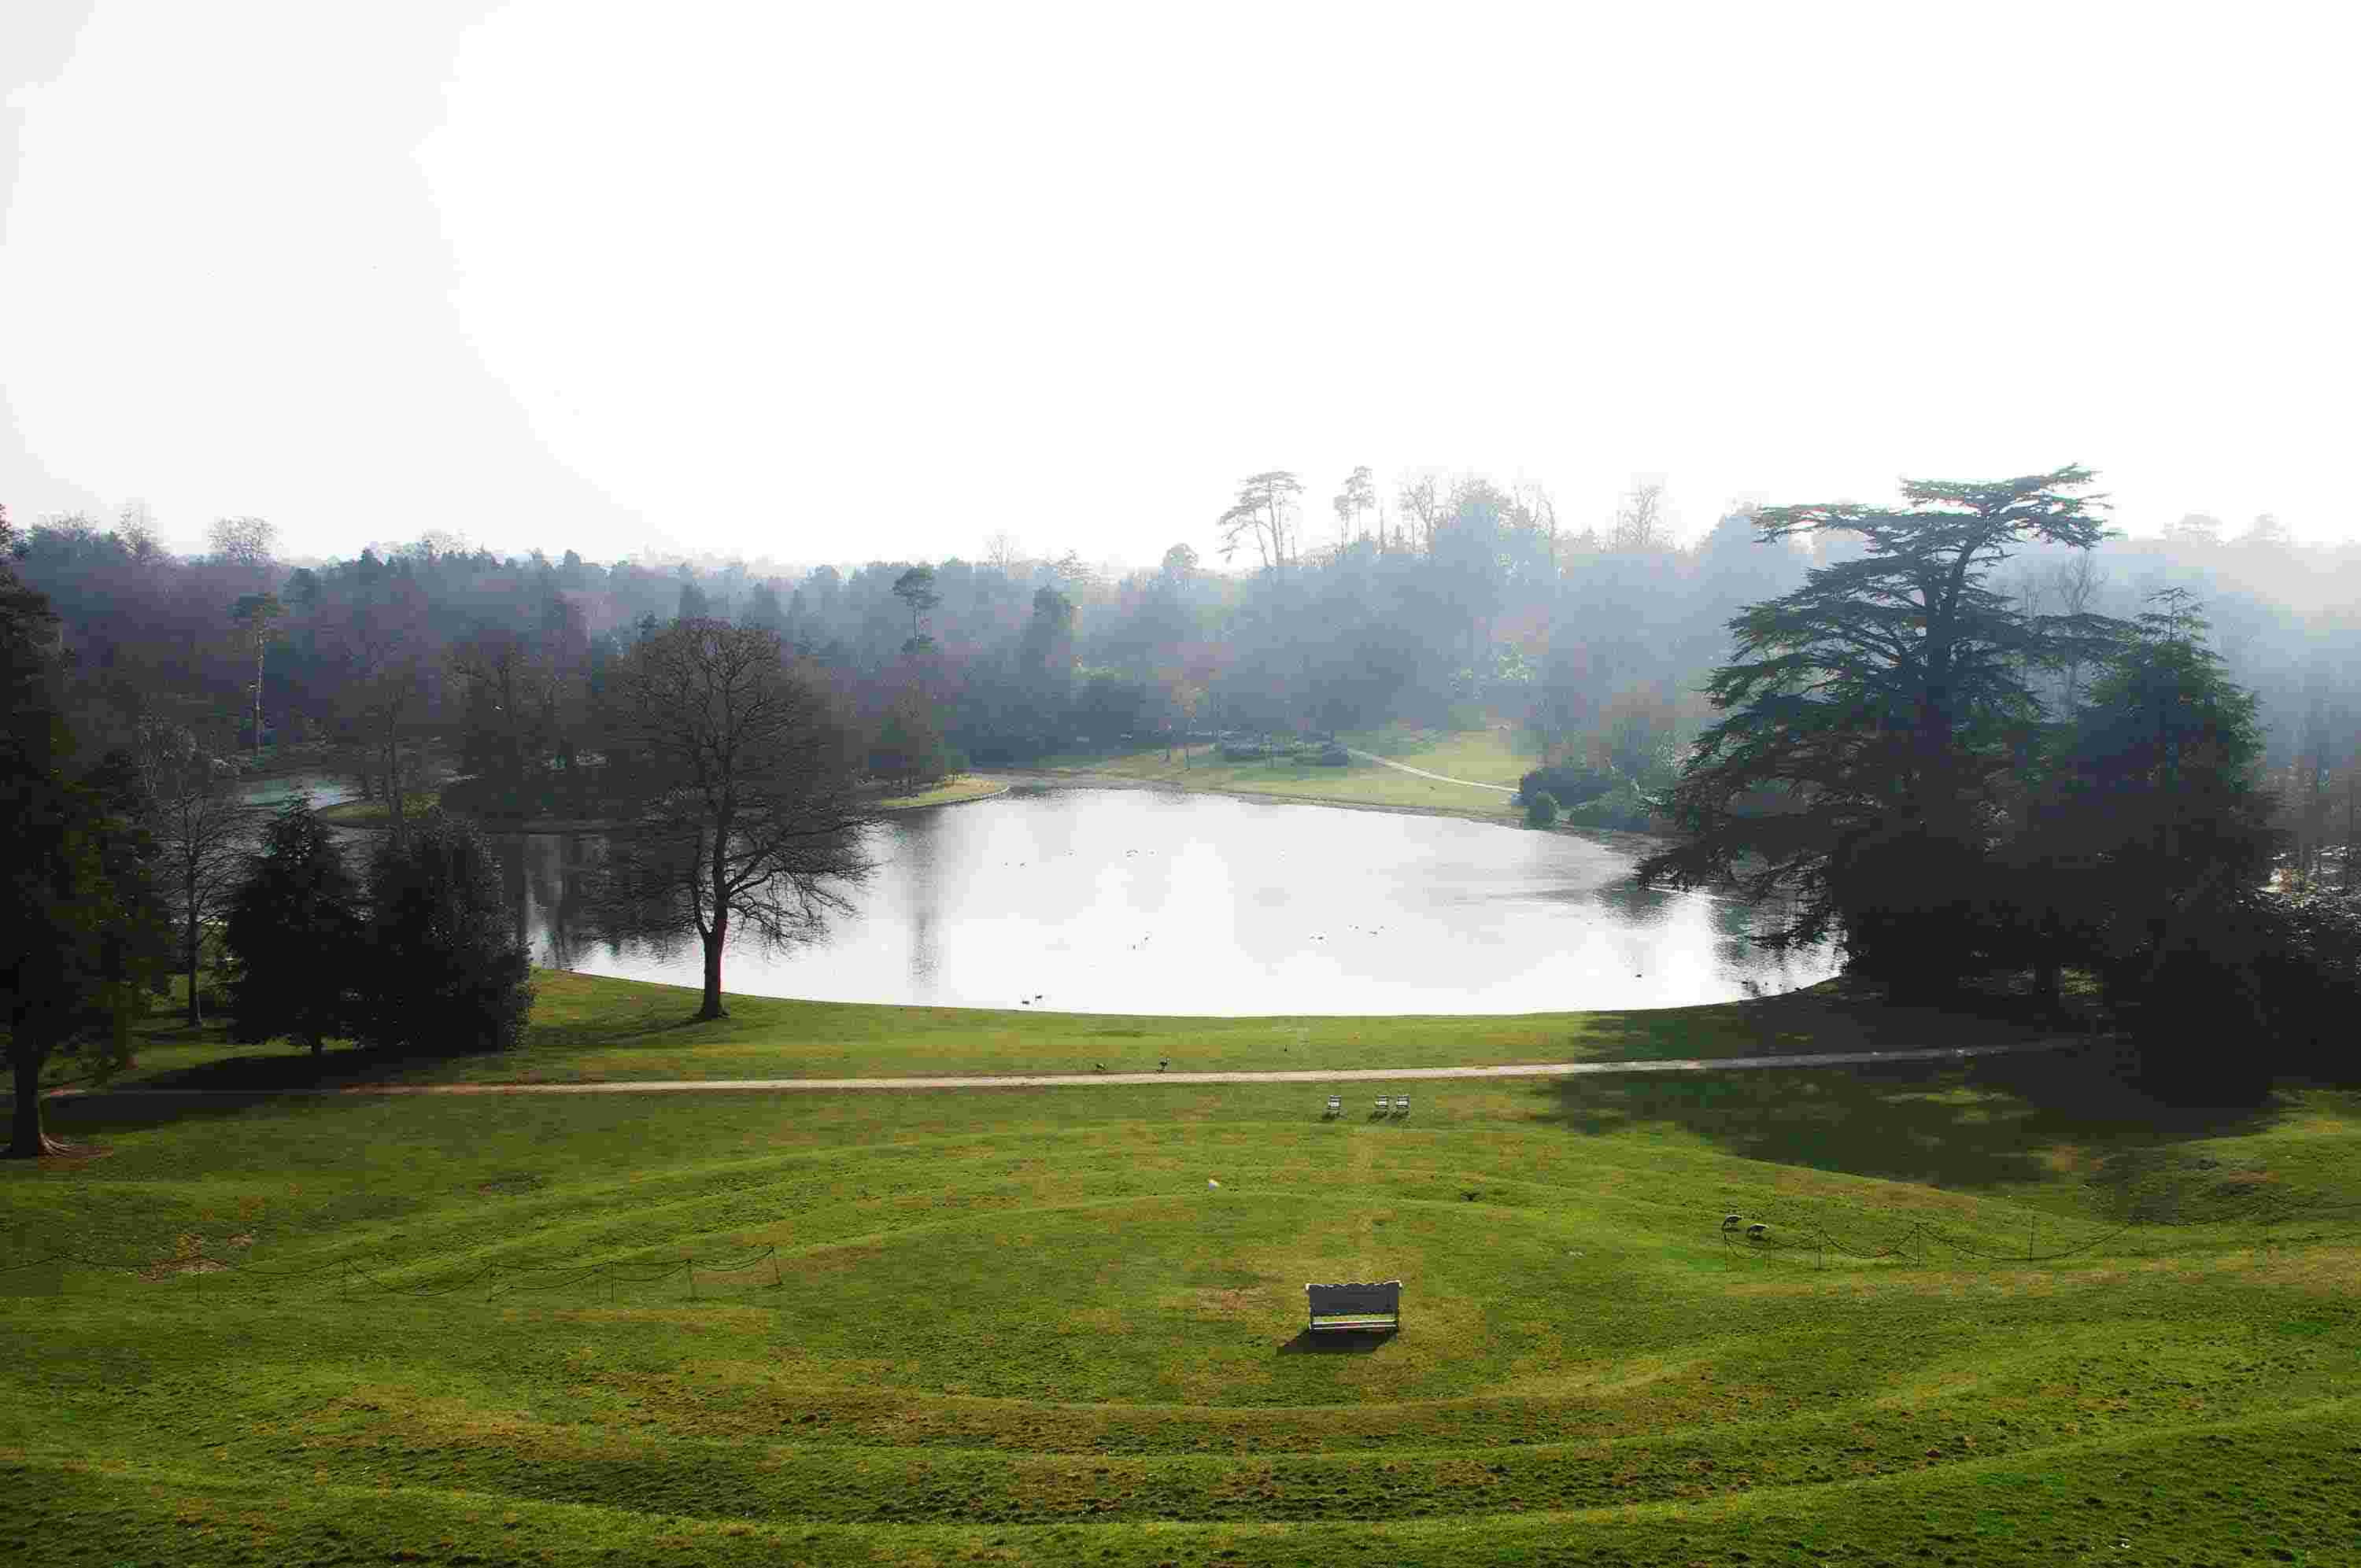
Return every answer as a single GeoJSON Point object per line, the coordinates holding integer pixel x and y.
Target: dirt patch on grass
{"type": "Point", "coordinates": [165, 1268]}
{"type": "Point", "coordinates": [1227, 1303]}
{"type": "Point", "coordinates": [2169, 1187]}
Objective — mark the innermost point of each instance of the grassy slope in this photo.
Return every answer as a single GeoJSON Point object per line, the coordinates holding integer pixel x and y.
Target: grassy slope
{"type": "Point", "coordinates": [1358, 783]}
{"type": "Point", "coordinates": [949, 792]}
{"type": "Point", "coordinates": [1487, 756]}
{"type": "Point", "coordinates": [586, 1027]}
{"type": "Point", "coordinates": [376, 813]}
{"type": "Point", "coordinates": [1589, 1373]}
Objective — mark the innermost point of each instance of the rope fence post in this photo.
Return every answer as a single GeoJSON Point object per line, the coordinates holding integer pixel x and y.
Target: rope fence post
{"type": "Point", "coordinates": [690, 1264]}
{"type": "Point", "coordinates": [776, 1281]}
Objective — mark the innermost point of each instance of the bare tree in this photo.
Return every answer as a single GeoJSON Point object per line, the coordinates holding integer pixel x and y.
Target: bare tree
{"type": "Point", "coordinates": [249, 541]}
{"type": "Point", "coordinates": [385, 699]}
{"type": "Point", "coordinates": [1426, 504]}
{"type": "Point", "coordinates": [1002, 552]}
{"type": "Point", "coordinates": [744, 809]}
{"type": "Point", "coordinates": [2075, 584]}
{"type": "Point", "coordinates": [1639, 522]}
{"type": "Point", "coordinates": [200, 833]}
{"type": "Point", "coordinates": [1355, 499]}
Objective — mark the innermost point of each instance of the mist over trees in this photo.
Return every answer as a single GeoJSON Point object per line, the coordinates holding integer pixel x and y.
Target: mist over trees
{"type": "Point", "coordinates": [1433, 600]}
{"type": "Point", "coordinates": [1337, 605]}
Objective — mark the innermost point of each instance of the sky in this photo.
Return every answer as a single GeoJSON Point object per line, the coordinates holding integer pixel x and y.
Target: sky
{"type": "Point", "coordinates": [847, 282]}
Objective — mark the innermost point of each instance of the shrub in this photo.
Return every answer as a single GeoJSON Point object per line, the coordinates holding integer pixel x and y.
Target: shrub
{"type": "Point", "coordinates": [1571, 786]}
{"type": "Point", "coordinates": [2248, 988]}
{"type": "Point", "coordinates": [1333, 757]}
{"type": "Point", "coordinates": [1541, 809]}
{"type": "Point", "coordinates": [2309, 977]}
{"type": "Point", "coordinates": [443, 973]}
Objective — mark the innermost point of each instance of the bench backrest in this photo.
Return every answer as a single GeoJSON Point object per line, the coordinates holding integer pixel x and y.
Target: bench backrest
{"type": "Point", "coordinates": [1352, 1298]}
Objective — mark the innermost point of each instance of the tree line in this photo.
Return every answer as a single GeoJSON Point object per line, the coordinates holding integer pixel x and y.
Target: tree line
{"type": "Point", "coordinates": [1950, 702]}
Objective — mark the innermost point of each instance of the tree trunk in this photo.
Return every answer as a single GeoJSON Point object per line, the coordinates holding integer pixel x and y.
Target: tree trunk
{"type": "Point", "coordinates": [26, 1139]}
{"type": "Point", "coordinates": [713, 1007]}
{"type": "Point", "coordinates": [196, 1014]}
{"type": "Point", "coordinates": [2047, 977]}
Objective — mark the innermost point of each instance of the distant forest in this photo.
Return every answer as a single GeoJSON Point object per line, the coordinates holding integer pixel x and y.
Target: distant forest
{"type": "Point", "coordinates": [1450, 603]}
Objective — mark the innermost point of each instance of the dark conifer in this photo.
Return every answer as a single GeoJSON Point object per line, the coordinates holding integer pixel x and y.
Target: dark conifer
{"type": "Point", "coordinates": [446, 974]}
{"type": "Point", "coordinates": [297, 949]}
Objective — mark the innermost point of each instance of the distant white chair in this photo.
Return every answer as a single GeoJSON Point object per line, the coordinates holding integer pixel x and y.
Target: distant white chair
{"type": "Point", "coordinates": [1732, 1222]}
{"type": "Point", "coordinates": [1758, 1231]}
{"type": "Point", "coordinates": [1336, 1105]}
{"type": "Point", "coordinates": [1385, 1105]}
{"type": "Point", "coordinates": [1401, 1104]}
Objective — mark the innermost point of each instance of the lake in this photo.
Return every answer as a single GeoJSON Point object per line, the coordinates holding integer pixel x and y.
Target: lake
{"type": "Point", "coordinates": [1140, 900]}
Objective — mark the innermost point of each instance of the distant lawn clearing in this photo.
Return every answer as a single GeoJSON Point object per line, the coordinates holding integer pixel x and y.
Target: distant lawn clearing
{"type": "Point", "coordinates": [949, 791]}
{"type": "Point", "coordinates": [377, 812]}
{"type": "Point", "coordinates": [2003, 1314]}
{"type": "Point", "coordinates": [1360, 783]}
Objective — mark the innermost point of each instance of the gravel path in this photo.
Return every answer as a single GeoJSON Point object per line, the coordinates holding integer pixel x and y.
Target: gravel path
{"type": "Point", "coordinates": [1422, 773]}
{"type": "Point", "coordinates": [1062, 1079]}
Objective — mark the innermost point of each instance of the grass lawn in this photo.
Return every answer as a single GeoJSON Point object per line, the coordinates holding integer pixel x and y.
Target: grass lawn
{"type": "Point", "coordinates": [1487, 756]}
{"type": "Point", "coordinates": [949, 792]}
{"type": "Point", "coordinates": [588, 1027]}
{"type": "Point", "coordinates": [2004, 1314]}
{"type": "Point", "coordinates": [1359, 783]}
{"type": "Point", "coordinates": [376, 812]}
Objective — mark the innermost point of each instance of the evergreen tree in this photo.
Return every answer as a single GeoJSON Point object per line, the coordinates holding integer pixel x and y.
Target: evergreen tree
{"type": "Point", "coordinates": [2162, 846]}
{"type": "Point", "coordinates": [296, 945]}
{"type": "Point", "coordinates": [1860, 761]}
{"type": "Point", "coordinates": [444, 973]}
{"type": "Point", "coordinates": [80, 936]}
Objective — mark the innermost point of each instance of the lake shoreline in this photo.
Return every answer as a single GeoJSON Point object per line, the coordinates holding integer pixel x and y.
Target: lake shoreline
{"type": "Point", "coordinates": [1610, 838]}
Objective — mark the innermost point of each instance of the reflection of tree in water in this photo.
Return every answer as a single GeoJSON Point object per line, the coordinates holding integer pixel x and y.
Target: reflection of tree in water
{"type": "Point", "coordinates": [1738, 927]}
{"type": "Point", "coordinates": [555, 869]}
{"type": "Point", "coordinates": [916, 854]}
{"type": "Point", "coordinates": [508, 852]}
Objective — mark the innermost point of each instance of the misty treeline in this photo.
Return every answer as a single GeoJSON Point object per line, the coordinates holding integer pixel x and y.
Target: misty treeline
{"type": "Point", "coordinates": [1437, 601]}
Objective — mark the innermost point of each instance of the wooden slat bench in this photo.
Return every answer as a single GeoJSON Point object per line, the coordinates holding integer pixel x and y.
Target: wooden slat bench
{"type": "Point", "coordinates": [1354, 1307]}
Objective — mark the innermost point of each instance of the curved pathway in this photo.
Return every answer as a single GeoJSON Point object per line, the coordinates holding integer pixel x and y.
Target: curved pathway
{"type": "Point", "coordinates": [1422, 773]}
{"type": "Point", "coordinates": [1065, 1079]}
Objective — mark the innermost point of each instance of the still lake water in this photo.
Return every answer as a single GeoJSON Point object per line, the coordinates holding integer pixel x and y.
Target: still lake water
{"type": "Point", "coordinates": [1133, 900]}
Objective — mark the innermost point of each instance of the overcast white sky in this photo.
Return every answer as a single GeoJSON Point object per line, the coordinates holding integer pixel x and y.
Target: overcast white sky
{"type": "Point", "coordinates": [845, 282]}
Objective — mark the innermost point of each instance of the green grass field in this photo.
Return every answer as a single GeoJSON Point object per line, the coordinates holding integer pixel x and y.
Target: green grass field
{"type": "Point", "coordinates": [2005, 1312]}
{"type": "Point", "coordinates": [1360, 783]}
{"type": "Point", "coordinates": [376, 813]}
{"type": "Point", "coordinates": [586, 1027]}
{"type": "Point", "coordinates": [951, 791]}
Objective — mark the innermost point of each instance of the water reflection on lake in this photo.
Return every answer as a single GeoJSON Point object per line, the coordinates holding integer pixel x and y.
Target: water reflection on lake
{"type": "Point", "coordinates": [1132, 901]}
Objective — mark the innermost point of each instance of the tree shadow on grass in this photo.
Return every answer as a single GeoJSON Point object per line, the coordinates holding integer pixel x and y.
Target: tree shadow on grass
{"type": "Point", "coordinates": [1839, 1014]}
{"type": "Point", "coordinates": [1979, 1123]}
{"type": "Point", "coordinates": [1335, 1341]}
